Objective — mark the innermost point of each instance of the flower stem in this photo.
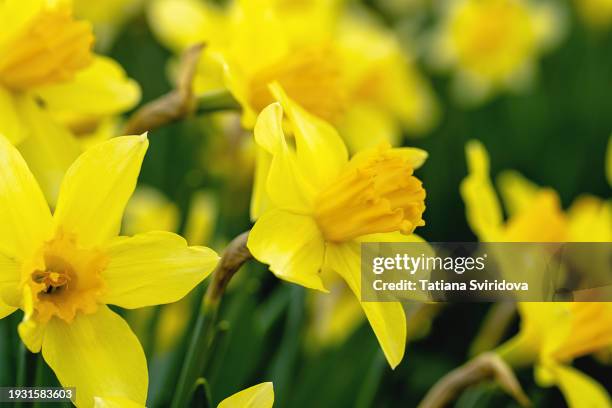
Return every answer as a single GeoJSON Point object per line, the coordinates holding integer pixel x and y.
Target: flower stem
{"type": "Point", "coordinates": [235, 255]}
{"type": "Point", "coordinates": [216, 101]}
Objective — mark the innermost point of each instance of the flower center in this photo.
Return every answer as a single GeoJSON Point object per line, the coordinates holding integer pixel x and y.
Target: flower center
{"type": "Point", "coordinates": [65, 279]}
{"type": "Point", "coordinates": [493, 37]}
{"type": "Point", "coordinates": [377, 193]}
{"type": "Point", "coordinates": [50, 50]}
{"type": "Point", "coordinates": [311, 77]}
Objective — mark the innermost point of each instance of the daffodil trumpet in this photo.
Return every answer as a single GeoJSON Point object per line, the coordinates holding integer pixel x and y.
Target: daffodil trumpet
{"type": "Point", "coordinates": [64, 269]}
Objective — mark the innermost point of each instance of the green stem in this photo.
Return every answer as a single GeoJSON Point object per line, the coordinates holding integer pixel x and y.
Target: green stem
{"type": "Point", "coordinates": [204, 331]}
{"type": "Point", "coordinates": [215, 101]}
{"type": "Point", "coordinates": [26, 368]}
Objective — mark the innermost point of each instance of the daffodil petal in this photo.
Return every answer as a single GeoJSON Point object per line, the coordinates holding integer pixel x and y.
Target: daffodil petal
{"type": "Point", "coordinates": [102, 88]}
{"type": "Point", "coordinates": [181, 23]}
{"type": "Point", "coordinates": [97, 354]}
{"type": "Point", "coordinates": [11, 125]}
{"type": "Point", "coordinates": [153, 268]}
{"type": "Point", "coordinates": [286, 185]}
{"type": "Point", "coordinates": [25, 219]}
{"type": "Point", "coordinates": [49, 148]}
{"type": "Point", "coordinates": [257, 396]}
{"type": "Point", "coordinates": [483, 210]}
{"type": "Point", "coordinates": [96, 189]}
{"type": "Point", "coordinates": [517, 192]}
{"type": "Point", "coordinates": [321, 153]}
{"type": "Point", "coordinates": [579, 390]}
{"type": "Point", "coordinates": [291, 244]}
{"type": "Point", "coordinates": [115, 402]}
{"type": "Point", "coordinates": [6, 310]}
{"type": "Point", "coordinates": [18, 13]}
{"type": "Point", "coordinates": [387, 319]}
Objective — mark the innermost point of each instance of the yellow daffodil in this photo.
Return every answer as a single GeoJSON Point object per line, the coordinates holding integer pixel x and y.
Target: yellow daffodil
{"type": "Point", "coordinates": [64, 269]}
{"type": "Point", "coordinates": [257, 396]}
{"type": "Point", "coordinates": [149, 210]}
{"type": "Point", "coordinates": [344, 69]}
{"type": "Point", "coordinates": [596, 13]}
{"type": "Point", "coordinates": [48, 77]}
{"type": "Point", "coordinates": [493, 45]}
{"type": "Point", "coordinates": [535, 213]}
{"type": "Point", "coordinates": [322, 206]}
{"type": "Point", "coordinates": [552, 334]}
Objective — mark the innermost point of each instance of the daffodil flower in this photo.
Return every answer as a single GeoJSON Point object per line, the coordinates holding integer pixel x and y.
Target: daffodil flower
{"type": "Point", "coordinates": [322, 206]}
{"type": "Point", "coordinates": [493, 45]}
{"type": "Point", "coordinates": [552, 334]}
{"type": "Point", "coordinates": [346, 70]}
{"type": "Point", "coordinates": [50, 79]}
{"type": "Point", "coordinates": [64, 269]}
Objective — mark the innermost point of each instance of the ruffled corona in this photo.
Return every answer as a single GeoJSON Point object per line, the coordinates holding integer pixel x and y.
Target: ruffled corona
{"type": "Point", "coordinates": [65, 279]}
{"type": "Point", "coordinates": [311, 77]}
{"type": "Point", "coordinates": [376, 194]}
{"type": "Point", "coordinates": [50, 50]}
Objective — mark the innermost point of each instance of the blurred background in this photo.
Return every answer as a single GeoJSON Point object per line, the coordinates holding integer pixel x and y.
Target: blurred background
{"type": "Point", "coordinates": [555, 132]}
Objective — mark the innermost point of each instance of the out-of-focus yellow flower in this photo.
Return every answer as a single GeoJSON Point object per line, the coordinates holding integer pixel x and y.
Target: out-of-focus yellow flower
{"type": "Point", "coordinates": [344, 69]}
{"type": "Point", "coordinates": [322, 206]}
{"type": "Point", "coordinates": [115, 402]}
{"type": "Point", "coordinates": [534, 213]}
{"type": "Point", "coordinates": [107, 16]}
{"type": "Point", "coordinates": [552, 334]}
{"type": "Point", "coordinates": [596, 13]}
{"type": "Point", "coordinates": [48, 73]}
{"type": "Point", "coordinates": [493, 45]}
{"type": "Point", "coordinates": [63, 269]}
{"type": "Point", "coordinates": [257, 396]}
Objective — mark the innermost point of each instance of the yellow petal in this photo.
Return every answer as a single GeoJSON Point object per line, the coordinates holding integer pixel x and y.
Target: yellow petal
{"type": "Point", "coordinates": [257, 396]}
{"type": "Point", "coordinates": [291, 244]}
{"type": "Point", "coordinates": [25, 219]}
{"type": "Point", "coordinates": [115, 402]}
{"type": "Point", "coordinates": [483, 210]}
{"type": "Point", "coordinates": [181, 23]}
{"type": "Point", "coordinates": [11, 125]}
{"type": "Point", "coordinates": [15, 14]}
{"type": "Point", "coordinates": [516, 191]}
{"type": "Point", "coordinates": [321, 153]}
{"type": "Point", "coordinates": [590, 220]}
{"type": "Point", "coordinates": [387, 319]}
{"type": "Point", "coordinates": [154, 268]}
{"type": "Point", "coordinates": [99, 355]}
{"type": "Point", "coordinates": [97, 187]}
{"type": "Point", "coordinates": [101, 89]}
{"type": "Point", "coordinates": [286, 185]}
{"type": "Point", "coordinates": [49, 148]}
{"type": "Point", "coordinates": [30, 330]}
{"type": "Point", "coordinates": [579, 390]}
{"type": "Point", "coordinates": [6, 310]}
